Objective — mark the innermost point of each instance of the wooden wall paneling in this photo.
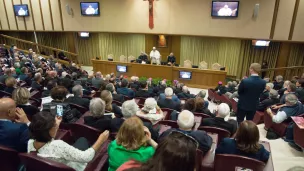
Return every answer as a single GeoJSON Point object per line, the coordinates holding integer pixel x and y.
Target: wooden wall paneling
{"type": "Point", "coordinates": [38, 20]}
{"type": "Point", "coordinates": [55, 9]}
{"type": "Point", "coordinates": [3, 16]}
{"type": "Point", "coordinates": [294, 18]}
{"type": "Point", "coordinates": [25, 26]}
{"type": "Point", "coordinates": [46, 15]}
{"type": "Point", "coordinates": [282, 57]}
{"type": "Point", "coordinates": [274, 18]}
{"type": "Point", "coordinates": [19, 20]}
{"type": "Point", "coordinates": [298, 22]}
{"type": "Point", "coordinates": [60, 12]}
{"type": "Point", "coordinates": [10, 14]}
{"type": "Point", "coordinates": [51, 14]}
{"type": "Point", "coordinates": [29, 21]}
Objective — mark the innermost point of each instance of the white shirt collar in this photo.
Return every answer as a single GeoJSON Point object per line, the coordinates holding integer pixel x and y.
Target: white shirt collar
{"type": "Point", "coordinates": [254, 74]}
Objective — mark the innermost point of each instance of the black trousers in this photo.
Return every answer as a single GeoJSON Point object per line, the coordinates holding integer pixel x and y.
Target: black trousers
{"type": "Point", "coordinates": [241, 114]}
{"type": "Point", "coordinates": [81, 144]}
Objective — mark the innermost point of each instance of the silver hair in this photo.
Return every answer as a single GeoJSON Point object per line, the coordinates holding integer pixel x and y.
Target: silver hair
{"type": "Point", "coordinates": [77, 90]}
{"type": "Point", "coordinates": [185, 89]}
{"type": "Point", "coordinates": [97, 107]}
{"type": "Point", "coordinates": [185, 120]}
{"type": "Point", "coordinates": [98, 74]}
{"type": "Point", "coordinates": [270, 85]}
{"type": "Point", "coordinates": [129, 108]}
{"type": "Point", "coordinates": [17, 65]}
{"type": "Point", "coordinates": [202, 94]}
{"type": "Point", "coordinates": [273, 93]}
{"type": "Point", "coordinates": [279, 78]}
{"type": "Point", "coordinates": [150, 104]}
{"type": "Point", "coordinates": [291, 99]}
{"type": "Point", "coordinates": [223, 110]}
{"type": "Point", "coordinates": [37, 76]}
{"type": "Point", "coordinates": [169, 92]}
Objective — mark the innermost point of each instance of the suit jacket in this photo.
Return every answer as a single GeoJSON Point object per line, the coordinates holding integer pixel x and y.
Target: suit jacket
{"type": "Point", "coordinates": [229, 146]}
{"type": "Point", "coordinates": [125, 91]}
{"type": "Point", "coordinates": [281, 92]}
{"type": "Point", "coordinates": [22, 77]}
{"type": "Point", "coordinates": [185, 95]}
{"type": "Point", "coordinates": [249, 92]}
{"type": "Point", "coordinates": [79, 101]}
{"type": "Point", "coordinates": [278, 86]}
{"type": "Point", "coordinates": [46, 93]}
{"type": "Point", "coordinates": [169, 103]}
{"type": "Point", "coordinates": [171, 59]}
{"type": "Point", "coordinates": [264, 95]}
{"type": "Point", "coordinates": [267, 103]}
{"type": "Point", "coordinates": [134, 85]}
{"type": "Point", "coordinates": [143, 93]}
{"type": "Point", "coordinates": [36, 86]}
{"type": "Point", "coordinates": [103, 123]}
{"type": "Point", "coordinates": [29, 110]}
{"type": "Point", "coordinates": [3, 78]}
{"type": "Point", "coordinates": [220, 123]}
{"type": "Point", "coordinates": [14, 135]}
{"type": "Point", "coordinates": [96, 82]}
{"type": "Point", "coordinates": [9, 89]}
{"type": "Point", "coordinates": [118, 97]}
{"type": "Point", "coordinates": [300, 93]}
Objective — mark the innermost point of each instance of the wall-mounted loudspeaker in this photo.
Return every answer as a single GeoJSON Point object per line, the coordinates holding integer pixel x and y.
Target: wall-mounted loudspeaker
{"type": "Point", "coordinates": [68, 9]}
{"type": "Point", "coordinates": [256, 10]}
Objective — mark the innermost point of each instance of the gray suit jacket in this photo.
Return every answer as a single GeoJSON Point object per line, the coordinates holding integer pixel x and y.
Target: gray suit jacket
{"type": "Point", "coordinates": [96, 82]}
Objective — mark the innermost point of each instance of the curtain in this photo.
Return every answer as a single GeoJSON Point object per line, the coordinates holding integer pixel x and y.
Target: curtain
{"type": "Point", "coordinates": [295, 58]}
{"type": "Point", "coordinates": [102, 44]}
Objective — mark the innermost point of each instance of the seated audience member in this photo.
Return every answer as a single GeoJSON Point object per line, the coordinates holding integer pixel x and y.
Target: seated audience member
{"type": "Point", "coordinates": [300, 90]}
{"type": "Point", "coordinates": [294, 79]}
{"type": "Point", "coordinates": [291, 89]}
{"type": "Point", "coordinates": [292, 107]}
{"type": "Point", "coordinates": [97, 119]}
{"type": "Point", "coordinates": [23, 75]}
{"type": "Point", "coordinates": [11, 84]}
{"type": "Point", "coordinates": [129, 109]}
{"type": "Point", "coordinates": [21, 96]}
{"type": "Point", "coordinates": [134, 84]}
{"type": "Point", "coordinates": [176, 147]}
{"type": "Point", "coordinates": [202, 94]}
{"type": "Point", "coordinates": [96, 82]}
{"type": "Point", "coordinates": [245, 143]}
{"type": "Point", "coordinates": [7, 73]}
{"type": "Point", "coordinates": [185, 123]}
{"type": "Point", "coordinates": [284, 88]}
{"type": "Point", "coordinates": [265, 94]}
{"type": "Point", "coordinates": [273, 99]}
{"type": "Point", "coordinates": [143, 90]}
{"type": "Point", "coordinates": [90, 77]}
{"type": "Point", "coordinates": [278, 83]}
{"type": "Point", "coordinates": [161, 88]}
{"type": "Point", "coordinates": [77, 98]}
{"type": "Point", "coordinates": [201, 108]}
{"type": "Point", "coordinates": [58, 95]}
{"type": "Point", "coordinates": [117, 97]}
{"type": "Point", "coordinates": [106, 96]}
{"type": "Point", "coordinates": [151, 111]}
{"type": "Point", "coordinates": [266, 79]}
{"type": "Point", "coordinates": [178, 88]}
{"type": "Point", "coordinates": [14, 126]}
{"type": "Point", "coordinates": [50, 85]}
{"type": "Point", "coordinates": [43, 129]}
{"type": "Point", "coordinates": [230, 88]}
{"type": "Point", "coordinates": [124, 90]}
{"type": "Point", "coordinates": [219, 120]}
{"type": "Point", "coordinates": [220, 89]}
{"type": "Point", "coordinates": [168, 101]}
{"type": "Point", "coordinates": [36, 84]}
{"type": "Point", "coordinates": [185, 94]}
{"type": "Point", "coordinates": [133, 141]}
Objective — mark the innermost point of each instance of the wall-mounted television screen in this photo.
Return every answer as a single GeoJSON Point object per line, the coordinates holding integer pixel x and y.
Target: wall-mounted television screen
{"type": "Point", "coordinates": [84, 34]}
{"type": "Point", "coordinates": [89, 8]}
{"type": "Point", "coordinates": [121, 68]}
{"type": "Point", "coordinates": [225, 8]}
{"type": "Point", "coordinates": [21, 10]}
{"type": "Point", "coordinates": [185, 75]}
{"type": "Point", "coordinates": [260, 43]}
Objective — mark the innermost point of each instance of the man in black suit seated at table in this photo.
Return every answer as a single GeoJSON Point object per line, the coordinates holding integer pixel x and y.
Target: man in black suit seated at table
{"type": "Point", "coordinates": [143, 91]}
{"type": "Point", "coordinates": [171, 60]}
{"type": "Point", "coordinates": [185, 94]}
{"type": "Point", "coordinates": [77, 98]}
{"type": "Point", "coordinates": [219, 120]}
{"type": "Point", "coordinates": [273, 99]}
{"type": "Point", "coordinates": [168, 102]}
{"type": "Point", "coordinates": [249, 92]}
{"type": "Point", "coordinates": [142, 57]}
{"type": "Point", "coordinates": [117, 97]}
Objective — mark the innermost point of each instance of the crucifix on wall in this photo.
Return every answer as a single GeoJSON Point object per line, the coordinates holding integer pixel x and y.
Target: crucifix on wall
{"type": "Point", "coordinates": [151, 15]}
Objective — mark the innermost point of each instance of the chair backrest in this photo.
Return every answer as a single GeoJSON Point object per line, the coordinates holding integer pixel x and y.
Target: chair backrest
{"type": "Point", "coordinates": [117, 103]}
{"type": "Point", "coordinates": [32, 162]}
{"type": "Point", "coordinates": [9, 159]}
{"type": "Point", "coordinates": [110, 56]}
{"type": "Point", "coordinates": [222, 133]}
{"type": "Point", "coordinates": [187, 64]}
{"type": "Point", "coordinates": [81, 109]}
{"type": "Point", "coordinates": [97, 93]}
{"type": "Point", "coordinates": [2, 86]}
{"type": "Point", "coordinates": [231, 162]}
{"type": "Point", "coordinates": [140, 100]}
{"type": "Point", "coordinates": [35, 102]}
{"type": "Point", "coordinates": [127, 97]}
{"type": "Point", "coordinates": [5, 94]}
{"type": "Point", "coordinates": [203, 65]}
{"type": "Point", "coordinates": [36, 94]}
{"type": "Point", "coordinates": [164, 125]}
{"type": "Point", "coordinates": [122, 58]}
{"type": "Point", "coordinates": [167, 112]}
{"type": "Point", "coordinates": [216, 66]}
{"type": "Point", "coordinates": [144, 119]}
{"type": "Point", "coordinates": [82, 130]}
{"type": "Point", "coordinates": [210, 94]}
{"type": "Point", "coordinates": [94, 88]}
{"type": "Point", "coordinates": [131, 58]}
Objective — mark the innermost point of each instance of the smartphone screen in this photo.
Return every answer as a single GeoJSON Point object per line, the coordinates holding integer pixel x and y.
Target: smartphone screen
{"type": "Point", "coordinates": [59, 110]}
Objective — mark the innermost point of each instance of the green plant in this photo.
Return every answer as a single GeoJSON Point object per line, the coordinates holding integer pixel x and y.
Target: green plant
{"type": "Point", "coordinates": [143, 79]}
{"type": "Point", "coordinates": [169, 83]}
{"type": "Point", "coordinates": [155, 81]}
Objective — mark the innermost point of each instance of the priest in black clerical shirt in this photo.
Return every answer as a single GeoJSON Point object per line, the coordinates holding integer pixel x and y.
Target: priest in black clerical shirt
{"type": "Point", "coordinates": [143, 57]}
{"type": "Point", "coordinates": [171, 59]}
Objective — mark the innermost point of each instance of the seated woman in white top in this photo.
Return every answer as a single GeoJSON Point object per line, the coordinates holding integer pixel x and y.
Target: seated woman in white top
{"type": "Point", "coordinates": [43, 129]}
{"type": "Point", "coordinates": [151, 111]}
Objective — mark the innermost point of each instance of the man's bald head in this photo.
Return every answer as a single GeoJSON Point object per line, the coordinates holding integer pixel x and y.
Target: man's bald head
{"type": "Point", "coordinates": [7, 108]}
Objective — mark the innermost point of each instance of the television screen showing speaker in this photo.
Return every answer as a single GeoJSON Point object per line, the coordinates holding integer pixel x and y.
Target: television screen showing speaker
{"type": "Point", "coordinates": [121, 68]}
{"type": "Point", "coordinates": [225, 8]}
{"type": "Point", "coordinates": [89, 8]}
{"type": "Point", "coordinates": [185, 75]}
{"type": "Point", "coordinates": [260, 43]}
{"type": "Point", "coordinates": [21, 10]}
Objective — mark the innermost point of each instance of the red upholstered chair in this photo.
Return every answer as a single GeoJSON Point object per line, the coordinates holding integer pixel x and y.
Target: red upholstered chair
{"type": "Point", "coordinates": [36, 94]}
{"type": "Point", "coordinates": [280, 128]}
{"type": "Point", "coordinates": [233, 105]}
{"type": "Point", "coordinates": [298, 132]}
{"type": "Point", "coordinates": [258, 117]}
{"type": "Point", "coordinates": [97, 94]}
{"type": "Point", "coordinates": [164, 125]}
{"type": "Point", "coordinates": [231, 162]}
{"type": "Point", "coordinates": [117, 103]}
{"type": "Point", "coordinates": [210, 94]}
{"type": "Point", "coordinates": [140, 100]}
{"type": "Point", "coordinates": [198, 117]}
{"type": "Point", "coordinates": [81, 119]}
{"type": "Point", "coordinates": [127, 98]}
{"type": "Point", "coordinates": [9, 159]}
{"type": "Point", "coordinates": [81, 109]}
{"type": "Point", "coordinates": [94, 88]}
{"type": "Point", "coordinates": [167, 113]}
{"type": "Point", "coordinates": [222, 133]}
{"type": "Point", "coordinates": [35, 102]}
{"type": "Point", "coordinates": [207, 163]}
{"type": "Point", "coordinates": [5, 94]}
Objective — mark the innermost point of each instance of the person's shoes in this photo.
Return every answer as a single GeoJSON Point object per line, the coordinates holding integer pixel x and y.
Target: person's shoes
{"type": "Point", "coordinates": [295, 146]}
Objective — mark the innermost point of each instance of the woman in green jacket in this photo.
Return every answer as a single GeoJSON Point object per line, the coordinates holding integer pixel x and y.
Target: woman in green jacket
{"type": "Point", "coordinates": [131, 143]}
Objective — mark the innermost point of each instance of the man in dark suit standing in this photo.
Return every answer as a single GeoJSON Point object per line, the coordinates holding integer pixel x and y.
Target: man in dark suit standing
{"type": "Point", "coordinates": [249, 92]}
{"type": "Point", "coordinates": [14, 132]}
{"type": "Point", "coordinates": [77, 98]}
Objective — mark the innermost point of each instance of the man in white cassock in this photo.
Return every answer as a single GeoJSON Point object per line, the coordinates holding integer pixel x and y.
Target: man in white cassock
{"type": "Point", "coordinates": [225, 11]}
{"type": "Point", "coordinates": [155, 56]}
{"type": "Point", "coordinates": [90, 10]}
{"type": "Point", "coordinates": [21, 12]}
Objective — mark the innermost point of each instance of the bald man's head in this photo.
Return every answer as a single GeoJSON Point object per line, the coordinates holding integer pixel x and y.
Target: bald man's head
{"type": "Point", "coordinates": [7, 108]}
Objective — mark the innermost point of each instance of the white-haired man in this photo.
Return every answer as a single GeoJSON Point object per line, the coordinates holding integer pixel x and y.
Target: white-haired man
{"type": "Point", "coordinates": [155, 56]}
{"type": "Point", "coordinates": [185, 94]}
{"type": "Point", "coordinates": [168, 102]}
{"type": "Point", "coordinates": [185, 123]}
{"type": "Point", "coordinates": [219, 120]}
{"type": "Point", "coordinates": [265, 94]}
{"type": "Point", "coordinates": [77, 98]}
{"type": "Point", "coordinates": [97, 81]}
{"type": "Point", "coordinates": [129, 109]}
